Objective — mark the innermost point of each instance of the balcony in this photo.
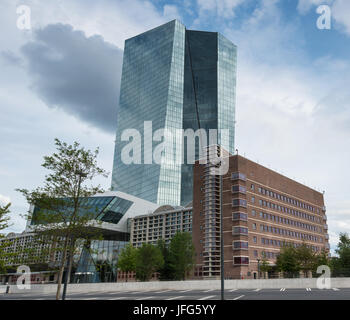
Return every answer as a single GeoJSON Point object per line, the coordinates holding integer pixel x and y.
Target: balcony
{"type": "Point", "coordinates": [325, 227]}
{"type": "Point", "coordinates": [324, 218]}
{"type": "Point", "coordinates": [324, 208]}
{"type": "Point", "coordinates": [326, 237]}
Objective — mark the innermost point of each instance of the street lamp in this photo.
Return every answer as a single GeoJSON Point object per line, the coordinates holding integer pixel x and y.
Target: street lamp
{"type": "Point", "coordinates": [258, 268]}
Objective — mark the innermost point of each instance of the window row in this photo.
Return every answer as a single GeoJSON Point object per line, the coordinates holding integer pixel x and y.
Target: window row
{"type": "Point", "coordinates": [278, 219]}
{"type": "Point", "coordinates": [289, 233]}
{"type": "Point", "coordinates": [283, 209]}
{"type": "Point", "coordinates": [289, 200]}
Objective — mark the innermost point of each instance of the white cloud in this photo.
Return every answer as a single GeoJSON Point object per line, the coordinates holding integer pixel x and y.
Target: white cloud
{"type": "Point", "coordinates": [171, 12]}
{"type": "Point", "coordinates": [4, 200]}
{"type": "Point", "coordinates": [341, 14]}
{"type": "Point", "coordinates": [304, 6]}
{"type": "Point", "coordinates": [222, 8]}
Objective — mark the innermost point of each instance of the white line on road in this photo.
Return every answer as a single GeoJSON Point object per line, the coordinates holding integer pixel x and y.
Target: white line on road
{"type": "Point", "coordinates": [335, 289]}
{"type": "Point", "coordinates": [257, 290]}
{"type": "Point", "coordinates": [209, 290]}
{"type": "Point", "coordinates": [163, 291]}
{"type": "Point", "coordinates": [239, 297]}
{"type": "Point", "coordinates": [308, 289]}
{"type": "Point", "coordinates": [94, 298]}
{"type": "Point", "coordinates": [117, 298]}
{"type": "Point", "coordinates": [144, 298]}
{"type": "Point", "coordinates": [283, 289]}
{"type": "Point", "coordinates": [206, 298]}
{"type": "Point", "coordinates": [173, 298]}
{"type": "Point", "coordinates": [233, 290]}
{"type": "Point", "coordinates": [185, 290]}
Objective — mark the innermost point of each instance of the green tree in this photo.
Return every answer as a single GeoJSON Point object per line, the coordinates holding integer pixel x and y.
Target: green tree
{"type": "Point", "coordinates": [62, 210]}
{"type": "Point", "coordinates": [4, 224]}
{"type": "Point", "coordinates": [127, 259]}
{"type": "Point", "coordinates": [321, 259]}
{"type": "Point", "coordinates": [287, 261]}
{"type": "Point", "coordinates": [148, 260]}
{"type": "Point", "coordinates": [341, 265]}
{"type": "Point", "coordinates": [166, 272]}
{"type": "Point", "coordinates": [264, 264]}
{"type": "Point", "coordinates": [305, 257]}
{"type": "Point", "coordinates": [181, 254]}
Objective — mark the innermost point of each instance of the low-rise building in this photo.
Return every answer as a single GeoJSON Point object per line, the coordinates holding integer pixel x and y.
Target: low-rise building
{"type": "Point", "coordinates": [262, 210]}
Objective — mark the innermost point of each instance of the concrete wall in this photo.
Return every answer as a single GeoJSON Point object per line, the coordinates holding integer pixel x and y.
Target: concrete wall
{"type": "Point", "coordinates": [183, 285]}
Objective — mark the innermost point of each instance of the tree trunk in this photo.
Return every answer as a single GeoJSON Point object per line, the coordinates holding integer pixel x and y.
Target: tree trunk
{"type": "Point", "coordinates": [60, 275]}
{"type": "Point", "coordinates": [71, 255]}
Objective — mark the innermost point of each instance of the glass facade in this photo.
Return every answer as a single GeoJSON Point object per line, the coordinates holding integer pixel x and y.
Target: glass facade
{"type": "Point", "coordinates": [104, 208]}
{"type": "Point", "coordinates": [178, 79]}
{"type": "Point", "coordinates": [98, 261]}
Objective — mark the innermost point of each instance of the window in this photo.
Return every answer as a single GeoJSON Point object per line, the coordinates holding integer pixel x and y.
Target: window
{"type": "Point", "coordinates": [239, 216]}
{"type": "Point", "coordinates": [238, 245]}
{"type": "Point", "coordinates": [252, 187]}
{"type": "Point", "coordinates": [238, 176]}
{"type": "Point", "coordinates": [255, 239]}
{"type": "Point", "coordinates": [239, 203]}
{"type": "Point", "coordinates": [253, 200]}
{"type": "Point", "coordinates": [238, 188]}
{"type": "Point", "coordinates": [253, 213]}
{"type": "Point", "coordinates": [240, 230]}
{"type": "Point", "coordinates": [254, 226]}
{"type": "Point", "coordinates": [240, 260]}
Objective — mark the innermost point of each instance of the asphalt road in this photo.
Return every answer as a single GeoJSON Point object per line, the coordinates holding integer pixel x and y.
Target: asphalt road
{"type": "Point", "coordinates": [236, 294]}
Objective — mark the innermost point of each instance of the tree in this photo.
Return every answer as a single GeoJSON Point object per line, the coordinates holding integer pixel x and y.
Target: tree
{"type": "Point", "coordinates": [4, 217]}
{"type": "Point", "coordinates": [127, 259]}
{"type": "Point", "coordinates": [264, 265]}
{"type": "Point", "coordinates": [4, 224]}
{"type": "Point", "coordinates": [62, 209]}
{"type": "Point", "coordinates": [287, 261]}
{"type": "Point", "coordinates": [166, 272]}
{"type": "Point", "coordinates": [181, 254]}
{"type": "Point", "coordinates": [305, 258]}
{"type": "Point", "coordinates": [148, 260]}
{"type": "Point", "coordinates": [341, 264]}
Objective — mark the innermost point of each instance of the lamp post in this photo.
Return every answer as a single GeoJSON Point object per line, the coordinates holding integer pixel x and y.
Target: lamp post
{"type": "Point", "coordinates": [258, 268]}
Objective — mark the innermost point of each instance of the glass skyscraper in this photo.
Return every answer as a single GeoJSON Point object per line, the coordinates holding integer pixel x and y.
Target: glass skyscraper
{"type": "Point", "coordinates": [177, 79]}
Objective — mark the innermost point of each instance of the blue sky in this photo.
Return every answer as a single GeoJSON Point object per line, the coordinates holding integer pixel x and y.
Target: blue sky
{"type": "Point", "coordinates": [61, 79]}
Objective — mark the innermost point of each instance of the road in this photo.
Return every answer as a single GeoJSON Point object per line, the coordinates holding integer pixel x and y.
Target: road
{"type": "Point", "coordinates": [236, 294]}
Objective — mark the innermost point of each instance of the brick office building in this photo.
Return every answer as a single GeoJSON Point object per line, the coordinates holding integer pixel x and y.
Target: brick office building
{"type": "Point", "coordinates": [262, 210]}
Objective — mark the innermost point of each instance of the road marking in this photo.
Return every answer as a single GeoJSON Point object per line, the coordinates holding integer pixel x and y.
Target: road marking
{"type": "Point", "coordinates": [162, 291]}
{"type": "Point", "coordinates": [117, 298]}
{"type": "Point", "coordinates": [173, 298]}
{"type": "Point", "coordinates": [233, 290]}
{"type": "Point", "coordinates": [206, 298]}
{"type": "Point", "coordinates": [308, 289]}
{"type": "Point", "coordinates": [144, 298]}
{"type": "Point", "coordinates": [257, 290]}
{"type": "Point", "coordinates": [209, 290]}
{"type": "Point", "coordinates": [335, 289]}
{"type": "Point", "coordinates": [239, 297]}
{"type": "Point", "coordinates": [283, 289]}
{"type": "Point", "coordinates": [94, 298]}
{"type": "Point", "coordinates": [185, 290]}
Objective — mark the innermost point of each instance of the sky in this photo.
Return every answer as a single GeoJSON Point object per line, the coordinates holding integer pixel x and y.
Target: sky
{"type": "Point", "coordinates": [61, 78]}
